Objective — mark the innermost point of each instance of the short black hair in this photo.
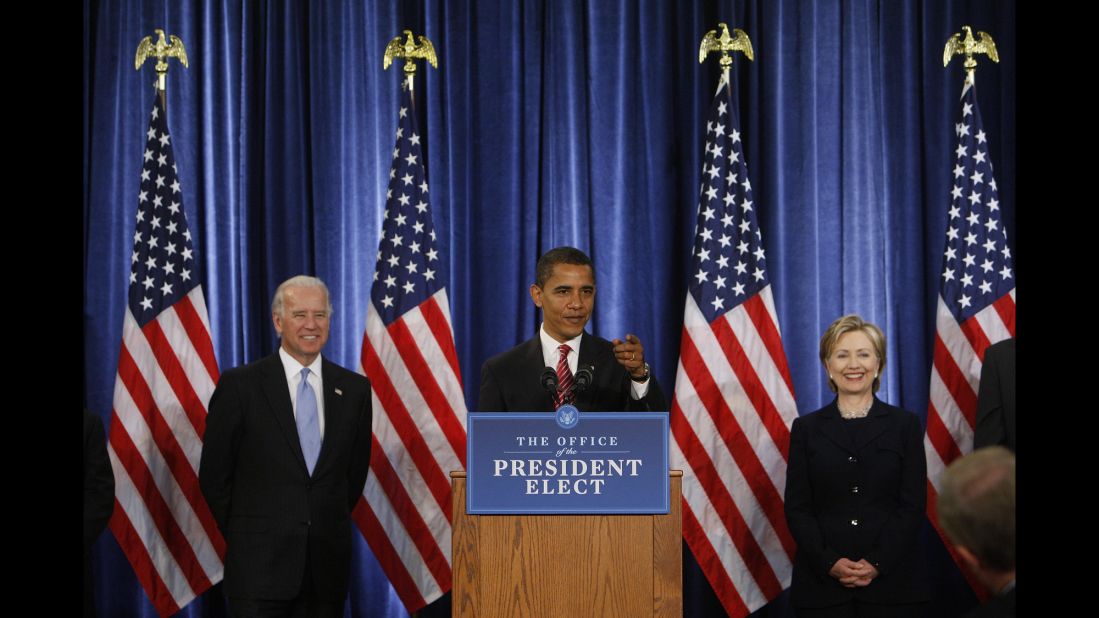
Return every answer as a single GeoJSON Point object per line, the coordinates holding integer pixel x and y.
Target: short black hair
{"type": "Point", "coordinates": [561, 255]}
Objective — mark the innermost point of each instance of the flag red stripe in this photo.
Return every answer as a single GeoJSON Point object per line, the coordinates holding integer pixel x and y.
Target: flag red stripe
{"type": "Point", "coordinates": [409, 515]}
{"type": "Point", "coordinates": [198, 334]}
{"type": "Point", "coordinates": [168, 446]}
{"type": "Point", "coordinates": [422, 374]}
{"type": "Point", "coordinates": [138, 556]}
{"type": "Point", "coordinates": [746, 374]}
{"type": "Point", "coordinates": [711, 564]}
{"type": "Point", "coordinates": [976, 336]}
{"type": "Point", "coordinates": [724, 505]}
{"type": "Point", "coordinates": [440, 327]}
{"type": "Point", "coordinates": [166, 357]}
{"type": "Point", "coordinates": [142, 479]}
{"type": "Point", "coordinates": [955, 381]}
{"type": "Point", "coordinates": [768, 333]}
{"type": "Point", "coordinates": [387, 556]}
{"type": "Point", "coordinates": [940, 437]}
{"type": "Point", "coordinates": [736, 441]}
{"type": "Point", "coordinates": [1005, 306]}
{"type": "Point", "coordinates": [398, 416]}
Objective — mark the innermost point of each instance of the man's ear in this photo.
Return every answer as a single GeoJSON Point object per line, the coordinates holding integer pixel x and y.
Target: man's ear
{"type": "Point", "coordinates": [536, 295]}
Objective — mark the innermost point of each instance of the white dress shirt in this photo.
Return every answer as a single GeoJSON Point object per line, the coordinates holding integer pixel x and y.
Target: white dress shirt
{"type": "Point", "coordinates": [293, 379]}
{"type": "Point", "coordinates": [550, 354]}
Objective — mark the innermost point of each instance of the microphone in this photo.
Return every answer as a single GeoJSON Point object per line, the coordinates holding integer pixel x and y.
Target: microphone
{"type": "Point", "coordinates": [549, 380]}
{"type": "Point", "coordinates": [584, 376]}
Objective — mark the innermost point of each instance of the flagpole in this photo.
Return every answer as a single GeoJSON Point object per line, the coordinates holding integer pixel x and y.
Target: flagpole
{"type": "Point", "coordinates": [410, 50]}
{"type": "Point", "coordinates": [725, 43]}
{"type": "Point", "coordinates": [979, 198]}
{"type": "Point", "coordinates": [969, 47]}
{"type": "Point", "coordinates": [408, 345]}
{"type": "Point", "coordinates": [161, 520]}
{"type": "Point", "coordinates": [732, 347]}
{"type": "Point", "coordinates": [163, 48]}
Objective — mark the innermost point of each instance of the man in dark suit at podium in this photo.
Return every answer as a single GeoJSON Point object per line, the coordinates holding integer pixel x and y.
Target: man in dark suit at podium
{"type": "Point", "coordinates": [562, 353]}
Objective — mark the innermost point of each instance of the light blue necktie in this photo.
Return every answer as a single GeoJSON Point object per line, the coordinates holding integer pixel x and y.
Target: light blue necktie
{"type": "Point", "coordinates": [309, 431]}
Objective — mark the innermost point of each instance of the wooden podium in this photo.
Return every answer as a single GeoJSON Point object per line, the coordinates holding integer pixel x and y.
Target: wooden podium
{"type": "Point", "coordinates": [567, 565]}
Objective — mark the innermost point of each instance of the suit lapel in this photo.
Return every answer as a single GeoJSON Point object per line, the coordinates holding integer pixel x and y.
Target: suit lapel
{"type": "Point", "coordinates": [831, 426]}
{"type": "Point", "coordinates": [333, 412]}
{"type": "Point", "coordinates": [877, 424]}
{"type": "Point", "coordinates": [277, 391]}
{"type": "Point", "coordinates": [587, 350]}
{"type": "Point", "coordinates": [532, 353]}
{"type": "Point", "coordinates": [533, 366]}
{"type": "Point", "coordinates": [588, 356]}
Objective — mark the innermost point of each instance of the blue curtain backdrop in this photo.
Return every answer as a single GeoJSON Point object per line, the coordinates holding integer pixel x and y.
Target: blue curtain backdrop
{"type": "Point", "coordinates": [546, 123]}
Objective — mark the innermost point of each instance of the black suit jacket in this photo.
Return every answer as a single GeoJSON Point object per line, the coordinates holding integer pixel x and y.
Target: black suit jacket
{"type": "Point", "coordinates": [277, 520]}
{"type": "Point", "coordinates": [98, 480]}
{"type": "Point", "coordinates": [98, 496]}
{"type": "Point", "coordinates": [854, 501]}
{"type": "Point", "coordinates": [510, 382]}
{"type": "Point", "coordinates": [999, 606]}
{"type": "Point", "coordinates": [996, 397]}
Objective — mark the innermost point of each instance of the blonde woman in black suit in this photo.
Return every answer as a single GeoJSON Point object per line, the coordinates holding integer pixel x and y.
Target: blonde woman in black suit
{"type": "Point", "coordinates": [855, 489]}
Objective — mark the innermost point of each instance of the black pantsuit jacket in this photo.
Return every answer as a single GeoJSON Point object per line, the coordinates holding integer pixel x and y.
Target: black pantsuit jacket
{"type": "Point", "coordinates": [855, 501]}
{"type": "Point", "coordinates": [510, 382]}
{"type": "Point", "coordinates": [279, 523]}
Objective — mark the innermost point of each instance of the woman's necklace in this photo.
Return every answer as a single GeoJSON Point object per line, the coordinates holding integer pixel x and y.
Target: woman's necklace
{"type": "Point", "coordinates": [860, 413]}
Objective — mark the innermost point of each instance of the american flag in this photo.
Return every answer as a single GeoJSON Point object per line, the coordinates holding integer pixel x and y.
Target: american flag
{"type": "Point", "coordinates": [419, 432]}
{"type": "Point", "coordinates": [976, 297]}
{"type": "Point", "coordinates": [734, 400]}
{"type": "Point", "coordinates": [166, 374]}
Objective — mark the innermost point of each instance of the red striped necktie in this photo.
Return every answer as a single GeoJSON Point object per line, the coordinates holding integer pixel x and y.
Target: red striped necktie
{"type": "Point", "coordinates": [564, 377]}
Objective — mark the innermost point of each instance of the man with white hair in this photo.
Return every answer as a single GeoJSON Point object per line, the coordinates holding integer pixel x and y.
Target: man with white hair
{"type": "Point", "coordinates": [284, 460]}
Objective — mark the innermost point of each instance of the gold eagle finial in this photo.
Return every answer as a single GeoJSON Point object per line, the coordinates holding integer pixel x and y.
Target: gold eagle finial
{"type": "Point", "coordinates": [956, 46]}
{"type": "Point", "coordinates": [410, 51]}
{"type": "Point", "coordinates": [161, 50]}
{"type": "Point", "coordinates": [724, 43]}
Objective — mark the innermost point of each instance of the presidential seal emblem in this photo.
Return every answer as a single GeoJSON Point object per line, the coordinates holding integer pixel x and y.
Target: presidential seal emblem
{"type": "Point", "coordinates": [567, 416]}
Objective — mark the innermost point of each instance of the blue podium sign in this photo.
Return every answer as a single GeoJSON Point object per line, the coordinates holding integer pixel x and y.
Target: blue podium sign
{"type": "Point", "coordinates": [567, 462]}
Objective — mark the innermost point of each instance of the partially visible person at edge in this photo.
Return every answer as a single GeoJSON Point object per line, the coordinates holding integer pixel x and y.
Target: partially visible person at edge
{"type": "Point", "coordinates": [98, 497]}
{"type": "Point", "coordinates": [976, 508]}
{"type": "Point", "coordinates": [996, 397]}
{"type": "Point", "coordinates": [855, 489]}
